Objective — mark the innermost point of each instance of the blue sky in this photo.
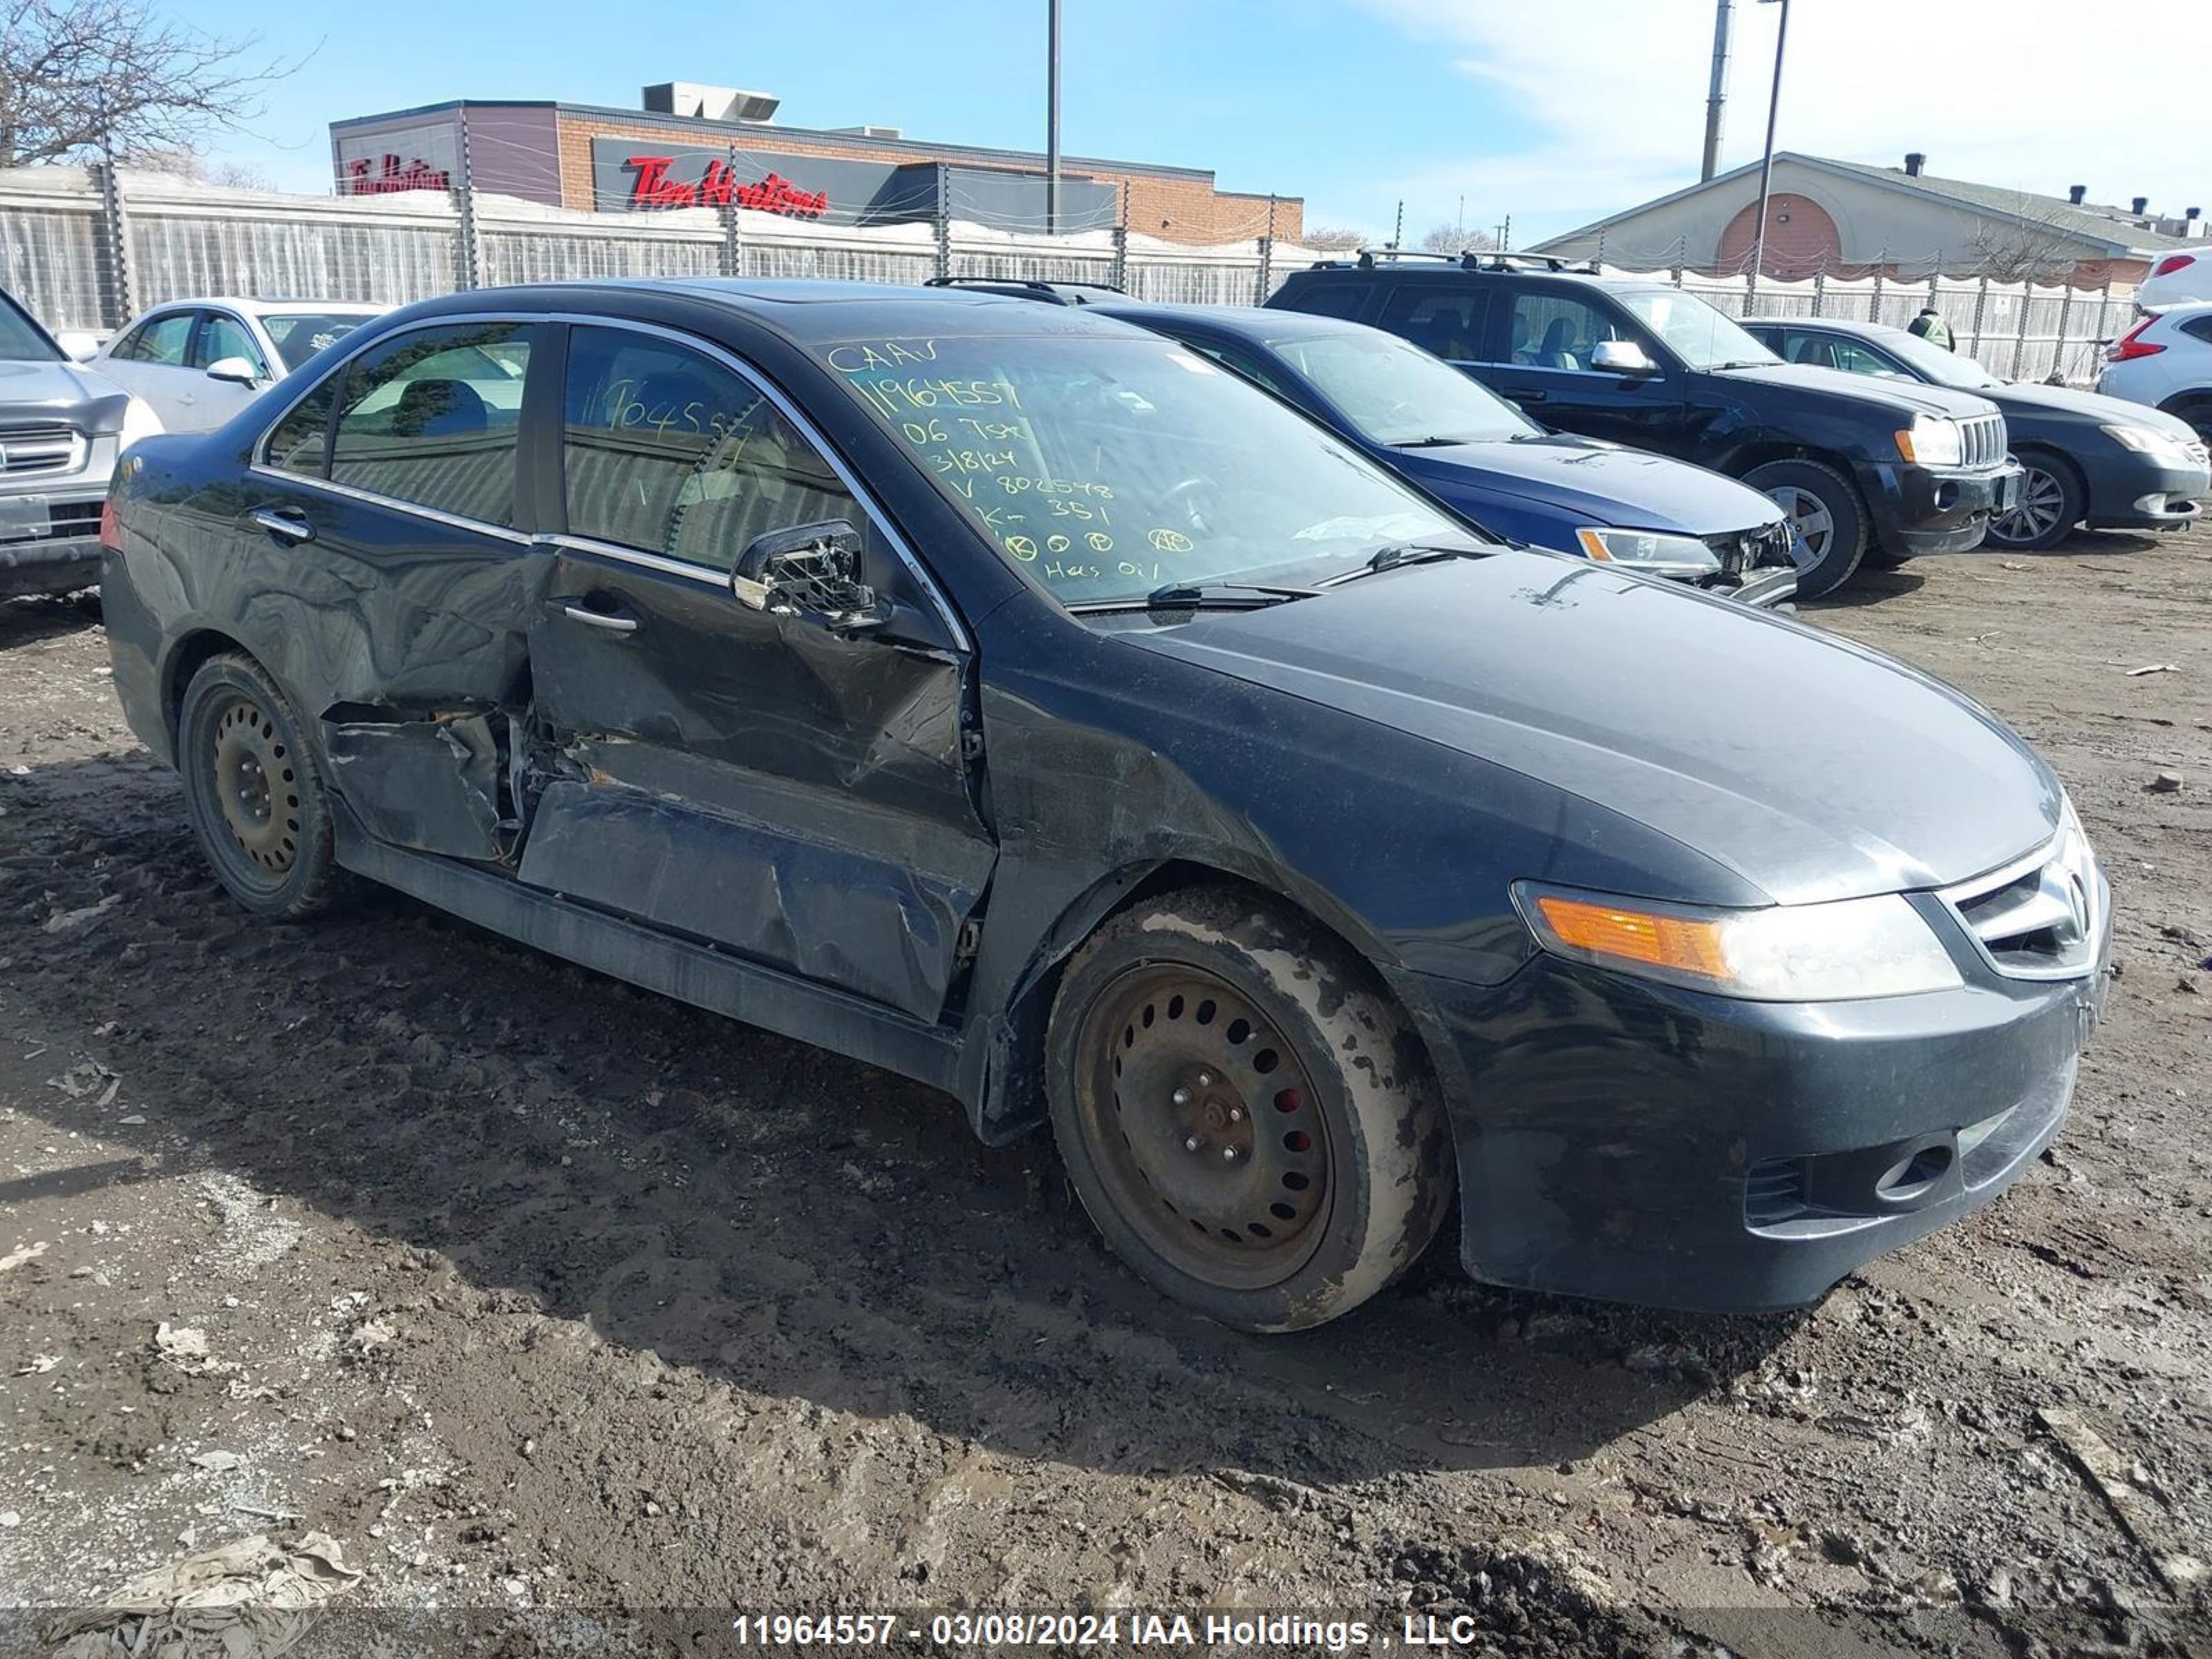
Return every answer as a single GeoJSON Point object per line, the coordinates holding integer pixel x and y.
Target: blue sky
{"type": "Point", "coordinates": [1555, 112]}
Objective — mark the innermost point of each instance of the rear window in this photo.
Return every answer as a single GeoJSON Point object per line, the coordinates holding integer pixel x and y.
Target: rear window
{"type": "Point", "coordinates": [1345, 300]}
{"type": "Point", "coordinates": [300, 334]}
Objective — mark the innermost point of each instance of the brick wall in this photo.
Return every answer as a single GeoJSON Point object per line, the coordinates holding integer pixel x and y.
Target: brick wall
{"type": "Point", "coordinates": [1177, 208]}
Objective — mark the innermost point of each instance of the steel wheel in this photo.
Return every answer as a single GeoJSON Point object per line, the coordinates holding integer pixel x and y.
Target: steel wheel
{"type": "Point", "coordinates": [1200, 1122]}
{"type": "Point", "coordinates": [1811, 517]}
{"type": "Point", "coordinates": [2045, 511]}
{"type": "Point", "coordinates": [256, 787]}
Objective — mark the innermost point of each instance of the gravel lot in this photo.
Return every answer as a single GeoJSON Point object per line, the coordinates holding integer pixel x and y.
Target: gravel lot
{"type": "Point", "coordinates": [553, 1301]}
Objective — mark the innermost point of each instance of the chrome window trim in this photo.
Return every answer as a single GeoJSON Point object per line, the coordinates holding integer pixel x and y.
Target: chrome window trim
{"type": "Point", "coordinates": [923, 580]}
{"type": "Point", "coordinates": [414, 510]}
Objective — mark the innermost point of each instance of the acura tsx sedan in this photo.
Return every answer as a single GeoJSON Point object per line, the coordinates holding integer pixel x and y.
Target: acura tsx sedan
{"type": "Point", "coordinates": [1017, 700]}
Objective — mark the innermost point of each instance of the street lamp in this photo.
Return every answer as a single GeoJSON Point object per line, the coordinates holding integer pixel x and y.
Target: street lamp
{"type": "Point", "coordinates": [1766, 166]}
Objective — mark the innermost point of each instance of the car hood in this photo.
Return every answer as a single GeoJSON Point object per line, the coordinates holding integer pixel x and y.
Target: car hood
{"type": "Point", "coordinates": [2029, 401]}
{"type": "Point", "coordinates": [1811, 767]}
{"type": "Point", "coordinates": [1904, 397]}
{"type": "Point", "coordinates": [34, 391]}
{"type": "Point", "coordinates": [1598, 483]}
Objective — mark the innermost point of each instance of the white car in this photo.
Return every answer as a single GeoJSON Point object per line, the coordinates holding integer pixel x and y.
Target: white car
{"type": "Point", "coordinates": [2178, 279]}
{"type": "Point", "coordinates": [2165, 361]}
{"type": "Point", "coordinates": [200, 361]}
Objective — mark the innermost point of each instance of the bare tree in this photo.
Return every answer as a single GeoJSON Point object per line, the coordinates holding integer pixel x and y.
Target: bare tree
{"type": "Point", "coordinates": [87, 78]}
{"type": "Point", "coordinates": [1334, 237]}
{"type": "Point", "coordinates": [1457, 239]}
{"type": "Point", "coordinates": [2031, 246]}
{"type": "Point", "coordinates": [201, 167]}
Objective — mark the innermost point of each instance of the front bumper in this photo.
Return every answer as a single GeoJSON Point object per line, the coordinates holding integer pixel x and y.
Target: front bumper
{"type": "Point", "coordinates": [1628, 1141]}
{"type": "Point", "coordinates": [1935, 509]}
{"type": "Point", "coordinates": [2139, 492]}
{"type": "Point", "coordinates": [49, 525]}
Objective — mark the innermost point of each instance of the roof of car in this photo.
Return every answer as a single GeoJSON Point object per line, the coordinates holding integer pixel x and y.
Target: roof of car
{"type": "Point", "coordinates": [810, 311]}
{"type": "Point", "coordinates": [1246, 322]}
{"type": "Point", "coordinates": [1827, 325]}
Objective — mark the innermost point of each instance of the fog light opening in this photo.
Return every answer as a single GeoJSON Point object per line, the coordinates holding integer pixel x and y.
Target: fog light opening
{"type": "Point", "coordinates": [1912, 1177]}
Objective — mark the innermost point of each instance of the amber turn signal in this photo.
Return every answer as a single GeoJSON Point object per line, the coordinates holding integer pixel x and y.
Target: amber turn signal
{"type": "Point", "coordinates": [1684, 944]}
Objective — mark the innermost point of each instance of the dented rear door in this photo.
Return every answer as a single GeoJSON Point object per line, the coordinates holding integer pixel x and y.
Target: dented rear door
{"type": "Point", "coordinates": [747, 779]}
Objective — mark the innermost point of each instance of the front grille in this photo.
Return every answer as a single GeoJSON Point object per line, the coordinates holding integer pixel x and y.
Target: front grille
{"type": "Point", "coordinates": [1985, 440]}
{"type": "Point", "coordinates": [2040, 917]}
{"type": "Point", "coordinates": [26, 451]}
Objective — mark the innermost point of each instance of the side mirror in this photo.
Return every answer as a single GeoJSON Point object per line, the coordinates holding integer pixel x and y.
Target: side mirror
{"type": "Point", "coordinates": [236, 370]}
{"type": "Point", "coordinates": [1621, 357]}
{"type": "Point", "coordinates": [81, 345]}
{"type": "Point", "coordinates": [811, 570]}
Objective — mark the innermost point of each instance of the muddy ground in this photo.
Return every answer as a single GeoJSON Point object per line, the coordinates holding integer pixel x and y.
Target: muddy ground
{"type": "Point", "coordinates": [552, 1301]}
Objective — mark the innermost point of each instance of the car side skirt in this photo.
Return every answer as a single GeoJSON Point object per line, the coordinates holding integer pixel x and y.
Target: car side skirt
{"type": "Point", "coordinates": [694, 973]}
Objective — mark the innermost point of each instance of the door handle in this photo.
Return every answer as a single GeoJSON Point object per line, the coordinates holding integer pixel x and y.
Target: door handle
{"type": "Point", "coordinates": [286, 524]}
{"type": "Point", "coordinates": [1527, 395]}
{"type": "Point", "coordinates": [613, 624]}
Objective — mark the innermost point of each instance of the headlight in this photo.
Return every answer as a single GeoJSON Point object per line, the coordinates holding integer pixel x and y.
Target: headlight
{"type": "Point", "coordinates": [2168, 446]}
{"type": "Point", "coordinates": [139, 421]}
{"type": "Point", "coordinates": [1869, 947]}
{"type": "Point", "coordinates": [1648, 550]}
{"type": "Point", "coordinates": [1931, 440]}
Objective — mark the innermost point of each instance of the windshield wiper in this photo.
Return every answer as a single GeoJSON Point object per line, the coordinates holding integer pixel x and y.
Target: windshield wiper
{"type": "Point", "coordinates": [1426, 443]}
{"type": "Point", "coordinates": [1398, 554]}
{"type": "Point", "coordinates": [1203, 596]}
{"type": "Point", "coordinates": [1747, 362]}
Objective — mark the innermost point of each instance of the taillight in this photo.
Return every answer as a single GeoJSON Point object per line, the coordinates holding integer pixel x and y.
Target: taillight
{"type": "Point", "coordinates": [2172, 263]}
{"type": "Point", "coordinates": [2131, 344]}
{"type": "Point", "coordinates": [110, 537]}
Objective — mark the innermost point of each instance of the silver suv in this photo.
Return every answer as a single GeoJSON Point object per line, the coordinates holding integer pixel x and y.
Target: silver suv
{"type": "Point", "coordinates": [62, 429]}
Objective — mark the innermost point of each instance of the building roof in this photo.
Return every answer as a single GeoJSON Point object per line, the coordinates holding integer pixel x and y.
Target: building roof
{"type": "Point", "coordinates": [2113, 231]}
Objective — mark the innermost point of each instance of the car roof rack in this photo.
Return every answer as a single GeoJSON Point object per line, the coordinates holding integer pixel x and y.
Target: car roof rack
{"type": "Point", "coordinates": [1471, 259]}
{"type": "Point", "coordinates": [1030, 288]}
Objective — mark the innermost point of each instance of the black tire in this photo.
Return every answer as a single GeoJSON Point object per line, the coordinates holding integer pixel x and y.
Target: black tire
{"type": "Point", "coordinates": [2197, 413]}
{"type": "Point", "coordinates": [1247, 1116]}
{"type": "Point", "coordinates": [254, 793]}
{"type": "Point", "coordinates": [1825, 505]}
{"type": "Point", "coordinates": [2052, 501]}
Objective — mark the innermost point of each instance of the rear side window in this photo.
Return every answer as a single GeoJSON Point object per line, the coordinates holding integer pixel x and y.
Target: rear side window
{"type": "Point", "coordinates": [666, 451]}
{"type": "Point", "coordinates": [2199, 326]}
{"type": "Point", "coordinates": [158, 340]}
{"type": "Point", "coordinates": [1443, 319]}
{"type": "Point", "coordinates": [1557, 330]}
{"type": "Point", "coordinates": [1344, 300]}
{"type": "Point", "coordinates": [1837, 351]}
{"type": "Point", "coordinates": [431, 417]}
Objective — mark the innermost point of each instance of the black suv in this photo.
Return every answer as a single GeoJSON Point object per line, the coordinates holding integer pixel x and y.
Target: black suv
{"type": "Point", "coordinates": [1894, 469]}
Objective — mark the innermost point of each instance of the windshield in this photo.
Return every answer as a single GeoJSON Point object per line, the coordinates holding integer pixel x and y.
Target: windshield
{"type": "Point", "coordinates": [1108, 467]}
{"type": "Point", "coordinates": [21, 340]}
{"type": "Point", "coordinates": [1700, 336]}
{"type": "Point", "coordinates": [1932, 362]}
{"type": "Point", "coordinates": [1396, 393]}
{"type": "Point", "coordinates": [300, 334]}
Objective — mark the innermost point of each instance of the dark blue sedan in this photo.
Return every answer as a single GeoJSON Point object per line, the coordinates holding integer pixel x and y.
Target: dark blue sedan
{"type": "Point", "coordinates": [1482, 457]}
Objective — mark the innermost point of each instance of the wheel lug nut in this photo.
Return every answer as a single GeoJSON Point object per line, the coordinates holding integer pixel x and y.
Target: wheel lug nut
{"type": "Point", "coordinates": [1206, 1079]}
{"type": "Point", "coordinates": [1182, 1097]}
{"type": "Point", "coordinates": [1229, 1153]}
{"type": "Point", "coordinates": [1191, 1144]}
{"type": "Point", "coordinates": [1236, 1114]}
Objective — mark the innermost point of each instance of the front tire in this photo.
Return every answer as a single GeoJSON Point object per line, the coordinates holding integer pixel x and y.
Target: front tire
{"type": "Point", "coordinates": [1825, 508]}
{"type": "Point", "coordinates": [2051, 504]}
{"type": "Point", "coordinates": [254, 793]}
{"type": "Point", "coordinates": [1247, 1116]}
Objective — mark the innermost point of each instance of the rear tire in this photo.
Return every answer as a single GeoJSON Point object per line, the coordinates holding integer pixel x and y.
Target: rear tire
{"type": "Point", "coordinates": [1248, 1117]}
{"type": "Point", "coordinates": [2051, 502]}
{"type": "Point", "coordinates": [254, 793]}
{"type": "Point", "coordinates": [1824, 506]}
{"type": "Point", "coordinates": [2197, 413]}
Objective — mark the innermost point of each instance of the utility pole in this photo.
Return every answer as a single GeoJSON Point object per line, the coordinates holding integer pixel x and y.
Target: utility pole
{"type": "Point", "coordinates": [1766, 166]}
{"type": "Point", "coordinates": [1724, 17]}
{"type": "Point", "coordinates": [1398, 236]}
{"type": "Point", "coordinates": [1052, 119]}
